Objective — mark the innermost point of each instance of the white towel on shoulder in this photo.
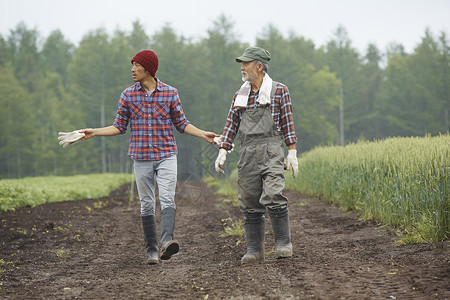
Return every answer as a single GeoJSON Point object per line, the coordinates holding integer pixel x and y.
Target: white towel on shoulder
{"type": "Point", "coordinates": [264, 93]}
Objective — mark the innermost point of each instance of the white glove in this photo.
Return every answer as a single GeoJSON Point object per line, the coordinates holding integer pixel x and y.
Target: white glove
{"type": "Point", "coordinates": [219, 139]}
{"type": "Point", "coordinates": [291, 161]}
{"type": "Point", "coordinates": [68, 138]}
{"type": "Point", "coordinates": [220, 161]}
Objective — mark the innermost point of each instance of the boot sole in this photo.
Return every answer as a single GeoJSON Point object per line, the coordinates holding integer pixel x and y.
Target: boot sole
{"type": "Point", "coordinates": [152, 262]}
{"type": "Point", "coordinates": [283, 251]}
{"type": "Point", "coordinates": [249, 260]}
{"type": "Point", "coordinates": [152, 258]}
{"type": "Point", "coordinates": [283, 256]}
{"type": "Point", "coordinates": [171, 249]}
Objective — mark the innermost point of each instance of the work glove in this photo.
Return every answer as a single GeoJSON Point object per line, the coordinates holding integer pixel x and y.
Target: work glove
{"type": "Point", "coordinates": [219, 139]}
{"type": "Point", "coordinates": [220, 161]}
{"type": "Point", "coordinates": [68, 138]}
{"type": "Point", "coordinates": [292, 161]}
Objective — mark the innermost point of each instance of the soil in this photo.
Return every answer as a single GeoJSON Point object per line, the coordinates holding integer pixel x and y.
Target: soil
{"type": "Point", "coordinates": [94, 249]}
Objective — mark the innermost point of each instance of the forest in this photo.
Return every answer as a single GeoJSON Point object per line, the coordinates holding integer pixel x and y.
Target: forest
{"type": "Point", "coordinates": [339, 96]}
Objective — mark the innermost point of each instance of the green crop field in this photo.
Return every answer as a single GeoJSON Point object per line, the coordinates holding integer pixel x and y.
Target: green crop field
{"type": "Point", "coordinates": [401, 182]}
{"type": "Point", "coordinates": [34, 191]}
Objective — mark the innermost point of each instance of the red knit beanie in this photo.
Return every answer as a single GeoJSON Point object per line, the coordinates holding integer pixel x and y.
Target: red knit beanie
{"type": "Point", "coordinates": [148, 60]}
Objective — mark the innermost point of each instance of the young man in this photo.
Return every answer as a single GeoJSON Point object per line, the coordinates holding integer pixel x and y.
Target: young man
{"type": "Point", "coordinates": [261, 112]}
{"type": "Point", "coordinates": [151, 107]}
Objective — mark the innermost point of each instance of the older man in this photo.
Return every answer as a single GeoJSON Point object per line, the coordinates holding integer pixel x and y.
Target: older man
{"type": "Point", "coordinates": [261, 112]}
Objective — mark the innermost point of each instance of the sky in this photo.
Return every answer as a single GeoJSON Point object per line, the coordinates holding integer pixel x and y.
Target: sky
{"type": "Point", "coordinates": [379, 22]}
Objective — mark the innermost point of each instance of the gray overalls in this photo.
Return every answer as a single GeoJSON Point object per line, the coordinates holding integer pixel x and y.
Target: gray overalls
{"type": "Point", "coordinates": [261, 162]}
{"type": "Point", "coordinates": [261, 182]}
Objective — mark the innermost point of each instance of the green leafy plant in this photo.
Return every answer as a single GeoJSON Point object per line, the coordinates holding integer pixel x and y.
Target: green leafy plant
{"type": "Point", "coordinates": [100, 204]}
{"type": "Point", "coordinates": [233, 227]}
{"type": "Point", "coordinates": [60, 253]}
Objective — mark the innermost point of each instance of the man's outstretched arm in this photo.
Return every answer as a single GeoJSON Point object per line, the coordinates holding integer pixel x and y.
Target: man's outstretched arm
{"type": "Point", "coordinates": [103, 131]}
{"type": "Point", "coordinates": [206, 135]}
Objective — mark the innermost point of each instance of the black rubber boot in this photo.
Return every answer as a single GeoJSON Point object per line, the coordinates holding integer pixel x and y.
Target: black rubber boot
{"type": "Point", "coordinates": [254, 234]}
{"type": "Point", "coordinates": [280, 224]}
{"type": "Point", "coordinates": [169, 246]}
{"type": "Point", "coordinates": [151, 239]}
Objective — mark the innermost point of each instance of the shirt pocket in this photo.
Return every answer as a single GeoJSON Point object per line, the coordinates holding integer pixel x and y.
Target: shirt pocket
{"type": "Point", "coordinates": [137, 109]}
{"type": "Point", "coordinates": [161, 111]}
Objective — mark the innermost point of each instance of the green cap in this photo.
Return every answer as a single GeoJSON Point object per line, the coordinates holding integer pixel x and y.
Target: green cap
{"type": "Point", "coordinates": [254, 53]}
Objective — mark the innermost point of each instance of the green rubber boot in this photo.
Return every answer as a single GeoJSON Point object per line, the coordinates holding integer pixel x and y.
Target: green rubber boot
{"type": "Point", "coordinates": [151, 239]}
{"type": "Point", "coordinates": [169, 246]}
{"type": "Point", "coordinates": [254, 234]}
{"type": "Point", "coordinates": [279, 218]}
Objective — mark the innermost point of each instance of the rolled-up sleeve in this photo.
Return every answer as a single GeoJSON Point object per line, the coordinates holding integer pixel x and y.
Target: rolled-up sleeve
{"type": "Point", "coordinates": [122, 115]}
{"type": "Point", "coordinates": [231, 127]}
{"type": "Point", "coordinates": [286, 117]}
{"type": "Point", "coordinates": [179, 119]}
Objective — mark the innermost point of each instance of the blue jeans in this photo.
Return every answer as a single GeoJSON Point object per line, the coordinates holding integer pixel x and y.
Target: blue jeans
{"type": "Point", "coordinates": [164, 171]}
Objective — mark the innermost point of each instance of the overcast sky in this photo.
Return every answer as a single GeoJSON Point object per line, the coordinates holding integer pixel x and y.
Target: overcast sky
{"type": "Point", "coordinates": [367, 21]}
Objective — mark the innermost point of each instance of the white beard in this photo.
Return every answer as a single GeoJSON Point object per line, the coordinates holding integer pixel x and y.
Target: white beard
{"type": "Point", "coordinates": [244, 74]}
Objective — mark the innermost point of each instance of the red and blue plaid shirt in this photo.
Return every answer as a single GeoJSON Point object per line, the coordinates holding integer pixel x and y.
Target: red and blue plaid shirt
{"type": "Point", "coordinates": [151, 115]}
{"type": "Point", "coordinates": [280, 107]}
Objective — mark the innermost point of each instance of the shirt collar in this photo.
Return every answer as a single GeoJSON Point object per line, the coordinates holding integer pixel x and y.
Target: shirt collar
{"type": "Point", "coordinates": [158, 85]}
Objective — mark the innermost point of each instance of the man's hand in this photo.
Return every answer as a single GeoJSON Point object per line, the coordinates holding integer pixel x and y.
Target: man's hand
{"type": "Point", "coordinates": [68, 138]}
{"type": "Point", "coordinates": [219, 139]}
{"type": "Point", "coordinates": [206, 135]}
{"type": "Point", "coordinates": [209, 137]}
{"type": "Point", "coordinates": [220, 161]}
{"type": "Point", "coordinates": [88, 133]}
{"type": "Point", "coordinates": [292, 161]}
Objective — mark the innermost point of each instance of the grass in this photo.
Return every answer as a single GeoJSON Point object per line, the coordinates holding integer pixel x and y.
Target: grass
{"type": "Point", "coordinates": [225, 188]}
{"type": "Point", "coordinates": [33, 191]}
{"type": "Point", "coordinates": [401, 182]}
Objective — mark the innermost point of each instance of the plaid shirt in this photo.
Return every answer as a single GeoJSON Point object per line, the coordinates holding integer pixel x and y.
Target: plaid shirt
{"type": "Point", "coordinates": [281, 109]}
{"type": "Point", "coordinates": [151, 116]}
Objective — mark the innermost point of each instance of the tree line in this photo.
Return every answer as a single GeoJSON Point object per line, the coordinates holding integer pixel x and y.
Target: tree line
{"type": "Point", "coordinates": [339, 95]}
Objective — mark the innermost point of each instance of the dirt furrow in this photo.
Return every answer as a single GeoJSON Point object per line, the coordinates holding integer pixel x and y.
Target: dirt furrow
{"type": "Point", "coordinates": [84, 250]}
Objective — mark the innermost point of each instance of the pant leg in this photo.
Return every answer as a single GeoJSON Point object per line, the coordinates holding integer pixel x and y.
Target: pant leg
{"type": "Point", "coordinates": [249, 181]}
{"type": "Point", "coordinates": [166, 178]}
{"type": "Point", "coordinates": [144, 172]}
{"type": "Point", "coordinates": [273, 175]}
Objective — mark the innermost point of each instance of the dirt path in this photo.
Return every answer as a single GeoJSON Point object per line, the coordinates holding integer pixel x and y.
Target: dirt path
{"type": "Point", "coordinates": [93, 249]}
